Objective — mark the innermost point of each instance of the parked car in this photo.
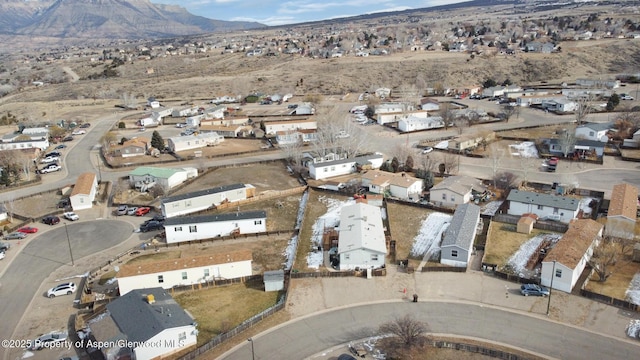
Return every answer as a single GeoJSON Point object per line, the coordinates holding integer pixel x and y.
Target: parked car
{"type": "Point", "coordinates": [51, 220]}
{"type": "Point", "coordinates": [61, 146]}
{"type": "Point", "coordinates": [62, 289]}
{"type": "Point", "coordinates": [122, 210]}
{"type": "Point", "coordinates": [49, 159]}
{"type": "Point", "coordinates": [4, 247]}
{"type": "Point", "coordinates": [187, 132]}
{"type": "Point", "coordinates": [63, 203]}
{"type": "Point", "coordinates": [78, 132]}
{"type": "Point", "coordinates": [552, 164]}
{"type": "Point", "coordinates": [626, 97]}
{"type": "Point", "coordinates": [53, 153]}
{"type": "Point", "coordinates": [15, 236]}
{"type": "Point", "coordinates": [427, 150]}
{"type": "Point", "coordinates": [70, 215]}
{"type": "Point", "coordinates": [181, 125]}
{"type": "Point", "coordinates": [48, 340]}
{"type": "Point", "coordinates": [132, 210]}
{"type": "Point", "coordinates": [534, 290]}
{"type": "Point", "coordinates": [292, 106]}
{"type": "Point", "coordinates": [85, 125]}
{"type": "Point", "coordinates": [50, 168]}
{"type": "Point", "coordinates": [67, 138]}
{"type": "Point", "coordinates": [28, 230]}
{"type": "Point", "coordinates": [142, 210]}
{"type": "Point", "coordinates": [151, 226]}
{"type": "Point", "coordinates": [2, 255]}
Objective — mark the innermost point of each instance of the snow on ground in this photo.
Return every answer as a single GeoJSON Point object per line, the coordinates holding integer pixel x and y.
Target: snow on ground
{"type": "Point", "coordinates": [442, 145]}
{"type": "Point", "coordinates": [633, 329]}
{"type": "Point", "coordinates": [584, 205]}
{"type": "Point", "coordinates": [633, 291]}
{"type": "Point", "coordinates": [430, 234]}
{"type": "Point", "coordinates": [292, 246]}
{"type": "Point", "coordinates": [491, 207]}
{"type": "Point", "coordinates": [518, 261]}
{"type": "Point", "coordinates": [330, 219]}
{"type": "Point", "coordinates": [525, 149]}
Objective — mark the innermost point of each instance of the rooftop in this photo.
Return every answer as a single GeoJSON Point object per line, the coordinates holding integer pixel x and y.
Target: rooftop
{"type": "Point", "coordinates": [573, 245]}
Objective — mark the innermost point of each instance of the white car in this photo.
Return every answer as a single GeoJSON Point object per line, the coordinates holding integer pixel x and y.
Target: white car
{"type": "Point", "coordinates": [2, 255]}
{"type": "Point", "coordinates": [626, 97]}
{"type": "Point", "coordinates": [50, 340]}
{"type": "Point", "coordinates": [50, 168]}
{"type": "Point", "coordinates": [78, 132]}
{"type": "Point", "coordinates": [427, 150]}
{"type": "Point", "coordinates": [71, 216]}
{"type": "Point", "coordinates": [62, 289]}
{"type": "Point", "coordinates": [49, 159]}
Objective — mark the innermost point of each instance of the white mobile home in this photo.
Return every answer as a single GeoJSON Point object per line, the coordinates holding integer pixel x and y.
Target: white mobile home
{"type": "Point", "coordinates": [361, 242]}
{"type": "Point", "coordinates": [190, 228]}
{"type": "Point", "coordinates": [167, 178]}
{"type": "Point", "coordinates": [457, 244]}
{"type": "Point", "coordinates": [546, 206]}
{"type": "Point", "coordinates": [205, 199]}
{"type": "Point", "coordinates": [273, 127]}
{"type": "Point", "coordinates": [413, 123]}
{"type": "Point", "coordinates": [319, 170]}
{"type": "Point", "coordinates": [187, 111]}
{"type": "Point", "coordinates": [195, 141]}
{"type": "Point", "coordinates": [185, 271]}
{"type": "Point", "coordinates": [84, 191]}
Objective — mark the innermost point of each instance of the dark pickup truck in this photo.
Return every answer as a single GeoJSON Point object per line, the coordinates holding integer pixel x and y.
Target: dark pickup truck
{"type": "Point", "coordinates": [552, 164]}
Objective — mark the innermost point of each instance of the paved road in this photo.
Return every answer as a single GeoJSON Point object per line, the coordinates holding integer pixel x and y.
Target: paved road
{"type": "Point", "coordinates": [305, 337]}
{"type": "Point", "coordinates": [47, 252]}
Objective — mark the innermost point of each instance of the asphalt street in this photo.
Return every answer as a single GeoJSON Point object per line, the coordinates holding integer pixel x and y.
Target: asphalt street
{"type": "Point", "coordinates": [47, 252]}
{"type": "Point", "coordinates": [304, 337]}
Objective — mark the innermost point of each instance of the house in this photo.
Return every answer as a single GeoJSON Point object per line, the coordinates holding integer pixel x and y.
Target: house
{"type": "Point", "coordinates": [272, 127]}
{"type": "Point", "coordinates": [167, 178]}
{"type": "Point", "coordinates": [594, 131]}
{"type": "Point", "coordinates": [184, 112]}
{"type": "Point", "coordinates": [320, 169]}
{"type": "Point", "coordinates": [361, 240]}
{"type": "Point", "coordinates": [546, 206]}
{"type": "Point", "coordinates": [143, 324]}
{"type": "Point", "coordinates": [84, 191]}
{"type": "Point", "coordinates": [498, 91]}
{"type": "Point", "coordinates": [586, 93]}
{"type": "Point", "coordinates": [190, 228]}
{"type": "Point", "coordinates": [537, 99]}
{"type": "Point", "coordinates": [580, 147]}
{"type": "Point", "coordinates": [389, 117]}
{"type": "Point", "coordinates": [20, 141]}
{"type": "Point", "coordinates": [606, 83]}
{"type": "Point", "coordinates": [216, 112]}
{"type": "Point", "coordinates": [401, 185]}
{"type": "Point", "coordinates": [227, 131]}
{"type": "Point", "coordinates": [383, 93]}
{"type": "Point", "coordinates": [568, 258]}
{"type": "Point", "coordinates": [138, 146]}
{"type": "Point", "coordinates": [457, 244]}
{"type": "Point", "coordinates": [304, 109]}
{"type": "Point", "coordinates": [160, 113]}
{"type": "Point", "coordinates": [296, 136]}
{"type": "Point", "coordinates": [560, 105]}
{"type": "Point", "coordinates": [195, 141]}
{"type": "Point", "coordinates": [273, 280]}
{"type": "Point", "coordinates": [38, 132]}
{"type": "Point", "coordinates": [623, 209]}
{"type": "Point", "coordinates": [389, 107]}
{"type": "Point", "coordinates": [412, 123]}
{"type": "Point", "coordinates": [455, 190]}
{"type": "Point", "coordinates": [205, 199]}
{"type": "Point", "coordinates": [465, 142]}
{"type": "Point", "coordinates": [184, 271]}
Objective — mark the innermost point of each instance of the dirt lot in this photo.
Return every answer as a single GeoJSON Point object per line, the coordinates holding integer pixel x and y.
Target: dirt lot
{"type": "Point", "coordinates": [503, 241]}
{"type": "Point", "coordinates": [399, 217]}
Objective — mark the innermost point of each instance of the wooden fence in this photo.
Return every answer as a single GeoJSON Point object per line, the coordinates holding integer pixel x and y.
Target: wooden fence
{"type": "Point", "coordinates": [477, 349]}
{"type": "Point", "coordinates": [621, 304]}
{"type": "Point", "coordinates": [443, 269]}
{"type": "Point", "coordinates": [264, 196]}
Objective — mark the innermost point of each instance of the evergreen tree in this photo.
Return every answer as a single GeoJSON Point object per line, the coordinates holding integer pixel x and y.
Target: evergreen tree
{"type": "Point", "coordinates": [157, 141]}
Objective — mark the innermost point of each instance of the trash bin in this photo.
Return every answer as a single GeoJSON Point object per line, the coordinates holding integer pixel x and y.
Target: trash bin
{"type": "Point", "coordinates": [415, 297]}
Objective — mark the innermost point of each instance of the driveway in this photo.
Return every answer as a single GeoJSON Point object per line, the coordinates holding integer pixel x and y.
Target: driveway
{"type": "Point", "coordinates": [44, 254]}
{"type": "Point", "coordinates": [311, 335]}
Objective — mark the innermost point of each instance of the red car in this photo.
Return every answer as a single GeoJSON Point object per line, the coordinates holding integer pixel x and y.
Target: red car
{"type": "Point", "coordinates": [142, 210]}
{"type": "Point", "coordinates": [28, 230]}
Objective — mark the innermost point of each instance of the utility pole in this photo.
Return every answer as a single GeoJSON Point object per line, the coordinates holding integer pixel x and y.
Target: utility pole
{"type": "Point", "coordinates": [69, 243]}
{"type": "Point", "coordinates": [553, 270]}
{"type": "Point", "coordinates": [253, 354]}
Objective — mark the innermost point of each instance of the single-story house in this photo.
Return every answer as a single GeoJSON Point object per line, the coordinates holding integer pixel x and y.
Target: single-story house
{"type": "Point", "coordinates": [186, 111]}
{"type": "Point", "coordinates": [138, 146]}
{"type": "Point", "coordinates": [400, 185]}
{"type": "Point", "coordinates": [296, 136]}
{"type": "Point", "coordinates": [556, 147]}
{"type": "Point", "coordinates": [389, 107]}
{"type": "Point", "coordinates": [195, 141]}
{"type": "Point", "coordinates": [228, 131]}
{"type": "Point", "coordinates": [143, 324]}
{"type": "Point", "coordinates": [500, 90]}
{"type": "Point", "coordinates": [84, 191]}
{"type": "Point", "coordinates": [457, 244]}
{"type": "Point", "coordinates": [594, 131]}
{"type": "Point", "coordinates": [226, 121]}
{"type": "Point", "coordinates": [272, 127]}
{"type": "Point", "coordinates": [561, 105]}
{"type": "Point", "coordinates": [12, 142]}
{"type": "Point", "coordinates": [160, 113]}
{"type": "Point", "coordinates": [623, 210]}
{"type": "Point", "coordinates": [319, 170]}
{"type": "Point", "coordinates": [205, 199]}
{"type": "Point", "coordinates": [607, 83]}
{"type": "Point", "coordinates": [412, 123]}
{"type": "Point", "coordinates": [568, 258]}
{"type": "Point", "coordinates": [389, 117]}
{"type": "Point", "coordinates": [455, 190]}
{"type": "Point", "coordinates": [586, 93]}
{"type": "Point", "coordinates": [536, 99]}
{"type": "Point", "coordinates": [167, 178]}
{"type": "Point", "coordinates": [184, 271]}
{"type": "Point", "coordinates": [4, 215]}
{"type": "Point", "coordinates": [36, 131]}
{"type": "Point", "coordinates": [273, 280]}
{"type": "Point", "coordinates": [469, 141]}
{"type": "Point", "coordinates": [216, 112]}
{"type": "Point", "coordinates": [546, 206]}
{"type": "Point", "coordinates": [190, 228]}
{"type": "Point", "coordinates": [361, 239]}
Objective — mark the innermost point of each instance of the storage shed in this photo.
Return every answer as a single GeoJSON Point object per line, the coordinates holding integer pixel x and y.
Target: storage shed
{"type": "Point", "coordinates": [274, 280]}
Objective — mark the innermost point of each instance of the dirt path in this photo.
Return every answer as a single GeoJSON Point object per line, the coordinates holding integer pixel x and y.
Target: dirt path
{"type": "Point", "coordinates": [74, 76]}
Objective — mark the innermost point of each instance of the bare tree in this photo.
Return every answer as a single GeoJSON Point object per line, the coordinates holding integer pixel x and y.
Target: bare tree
{"type": "Point", "coordinates": [461, 123]}
{"type": "Point", "coordinates": [528, 164]}
{"type": "Point", "coordinates": [495, 155]}
{"type": "Point", "coordinates": [583, 109]}
{"type": "Point", "coordinates": [603, 257]}
{"type": "Point", "coordinates": [407, 335]}
{"type": "Point", "coordinates": [401, 152]}
{"type": "Point", "coordinates": [450, 161]}
{"type": "Point", "coordinates": [508, 111]}
{"type": "Point", "coordinates": [567, 140]}
{"type": "Point", "coordinates": [293, 151]}
{"type": "Point", "coordinates": [336, 133]}
{"type": "Point", "coordinates": [447, 114]}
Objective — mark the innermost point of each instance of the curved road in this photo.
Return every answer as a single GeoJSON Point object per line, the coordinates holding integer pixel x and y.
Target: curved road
{"type": "Point", "coordinates": [304, 337]}
{"type": "Point", "coordinates": [47, 252]}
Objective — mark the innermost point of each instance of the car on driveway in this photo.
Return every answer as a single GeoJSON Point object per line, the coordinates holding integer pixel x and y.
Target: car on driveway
{"type": "Point", "coordinates": [122, 210]}
{"type": "Point", "coordinates": [49, 159]}
{"type": "Point", "coordinates": [61, 146]}
{"type": "Point", "coordinates": [63, 203]}
{"type": "Point", "coordinates": [50, 168]}
{"type": "Point", "coordinates": [142, 210]}
{"type": "Point", "coordinates": [28, 230]}
{"type": "Point", "coordinates": [132, 210]}
{"type": "Point", "coordinates": [15, 236]}
{"type": "Point", "coordinates": [427, 150]}
{"type": "Point", "coordinates": [70, 215]}
{"type": "Point", "coordinates": [79, 132]}
{"type": "Point", "coordinates": [67, 138]}
{"type": "Point", "coordinates": [51, 340]}
{"type": "Point", "coordinates": [4, 247]}
{"type": "Point", "coordinates": [534, 290]}
{"type": "Point", "coordinates": [626, 97]}
{"type": "Point", "coordinates": [62, 289]}
{"type": "Point", "coordinates": [84, 125]}
{"type": "Point", "coordinates": [51, 220]}
{"type": "Point", "coordinates": [151, 226]}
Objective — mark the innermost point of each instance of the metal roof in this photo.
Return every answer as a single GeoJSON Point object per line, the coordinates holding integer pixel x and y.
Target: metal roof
{"type": "Point", "coordinates": [528, 197]}
{"type": "Point", "coordinates": [210, 191]}
{"type": "Point", "coordinates": [462, 227]}
{"type": "Point", "coordinates": [161, 173]}
{"type": "Point", "coordinates": [183, 220]}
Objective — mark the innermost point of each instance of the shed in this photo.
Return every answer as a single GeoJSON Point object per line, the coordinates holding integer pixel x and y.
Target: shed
{"type": "Point", "coordinates": [525, 224]}
{"type": "Point", "coordinates": [274, 280]}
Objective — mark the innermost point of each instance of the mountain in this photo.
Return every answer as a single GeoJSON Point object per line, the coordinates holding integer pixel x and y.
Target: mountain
{"type": "Point", "coordinates": [106, 19]}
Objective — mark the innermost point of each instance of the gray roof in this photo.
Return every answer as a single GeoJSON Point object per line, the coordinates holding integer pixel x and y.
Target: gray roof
{"type": "Point", "coordinates": [182, 220]}
{"type": "Point", "coordinates": [581, 142]}
{"type": "Point", "coordinates": [210, 191]}
{"type": "Point", "coordinates": [528, 197]}
{"type": "Point", "coordinates": [140, 321]}
{"type": "Point", "coordinates": [274, 275]}
{"type": "Point", "coordinates": [597, 126]}
{"type": "Point", "coordinates": [463, 224]}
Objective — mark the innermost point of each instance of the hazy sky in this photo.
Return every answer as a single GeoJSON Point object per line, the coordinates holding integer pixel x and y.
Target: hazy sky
{"type": "Point", "coordinates": [272, 12]}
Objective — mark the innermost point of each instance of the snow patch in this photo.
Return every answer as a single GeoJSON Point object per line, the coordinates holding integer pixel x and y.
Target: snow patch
{"type": "Point", "coordinates": [491, 208]}
{"type": "Point", "coordinates": [633, 291]}
{"type": "Point", "coordinates": [525, 149]}
{"type": "Point", "coordinates": [518, 261]}
{"type": "Point", "coordinates": [442, 145]}
{"type": "Point", "coordinates": [633, 329]}
{"type": "Point", "coordinates": [330, 219]}
{"type": "Point", "coordinates": [430, 234]}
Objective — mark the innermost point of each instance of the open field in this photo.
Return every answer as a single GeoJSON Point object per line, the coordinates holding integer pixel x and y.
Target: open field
{"type": "Point", "coordinates": [503, 241]}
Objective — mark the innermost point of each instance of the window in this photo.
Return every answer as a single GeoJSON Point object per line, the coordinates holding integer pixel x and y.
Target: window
{"type": "Point", "coordinates": [374, 257]}
{"type": "Point", "coordinates": [592, 134]}
{"type": "Point", "coordinates": [558, 272]}
{"type": "Point", "coordinates": [177, 228]}
{"type": "Point", "coordinates": [540, 207]}
{"type": "Point", "coordinates": [193, 228]}
{"type": "Point", "coordinates": [182, 336]}
{"type": "Point", "coordinates": [346, 256]}
{"type": "Point", "coordinates": [555, 210]}
{"type": "Point", "coordinates": [184, 275]}
{"type": "Point", "coordinates": [257, 222]}
{"type": "Point", "coordinates": [160, 279]}
{"type": "Point", "coordinates": [187, 203]}
{"type": "Point", "coordinates": [325, 169]}
{"type": "Point", "coordinates": [454, 253]}
{"type": "Point", "coordinates": [206, 272]}
{"type": "Point", "coordinates": [444, 197]}
{"type": "Point", "coordinates": [333, 168]}
{"type": "Point", "coordinates": [453, 198]}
